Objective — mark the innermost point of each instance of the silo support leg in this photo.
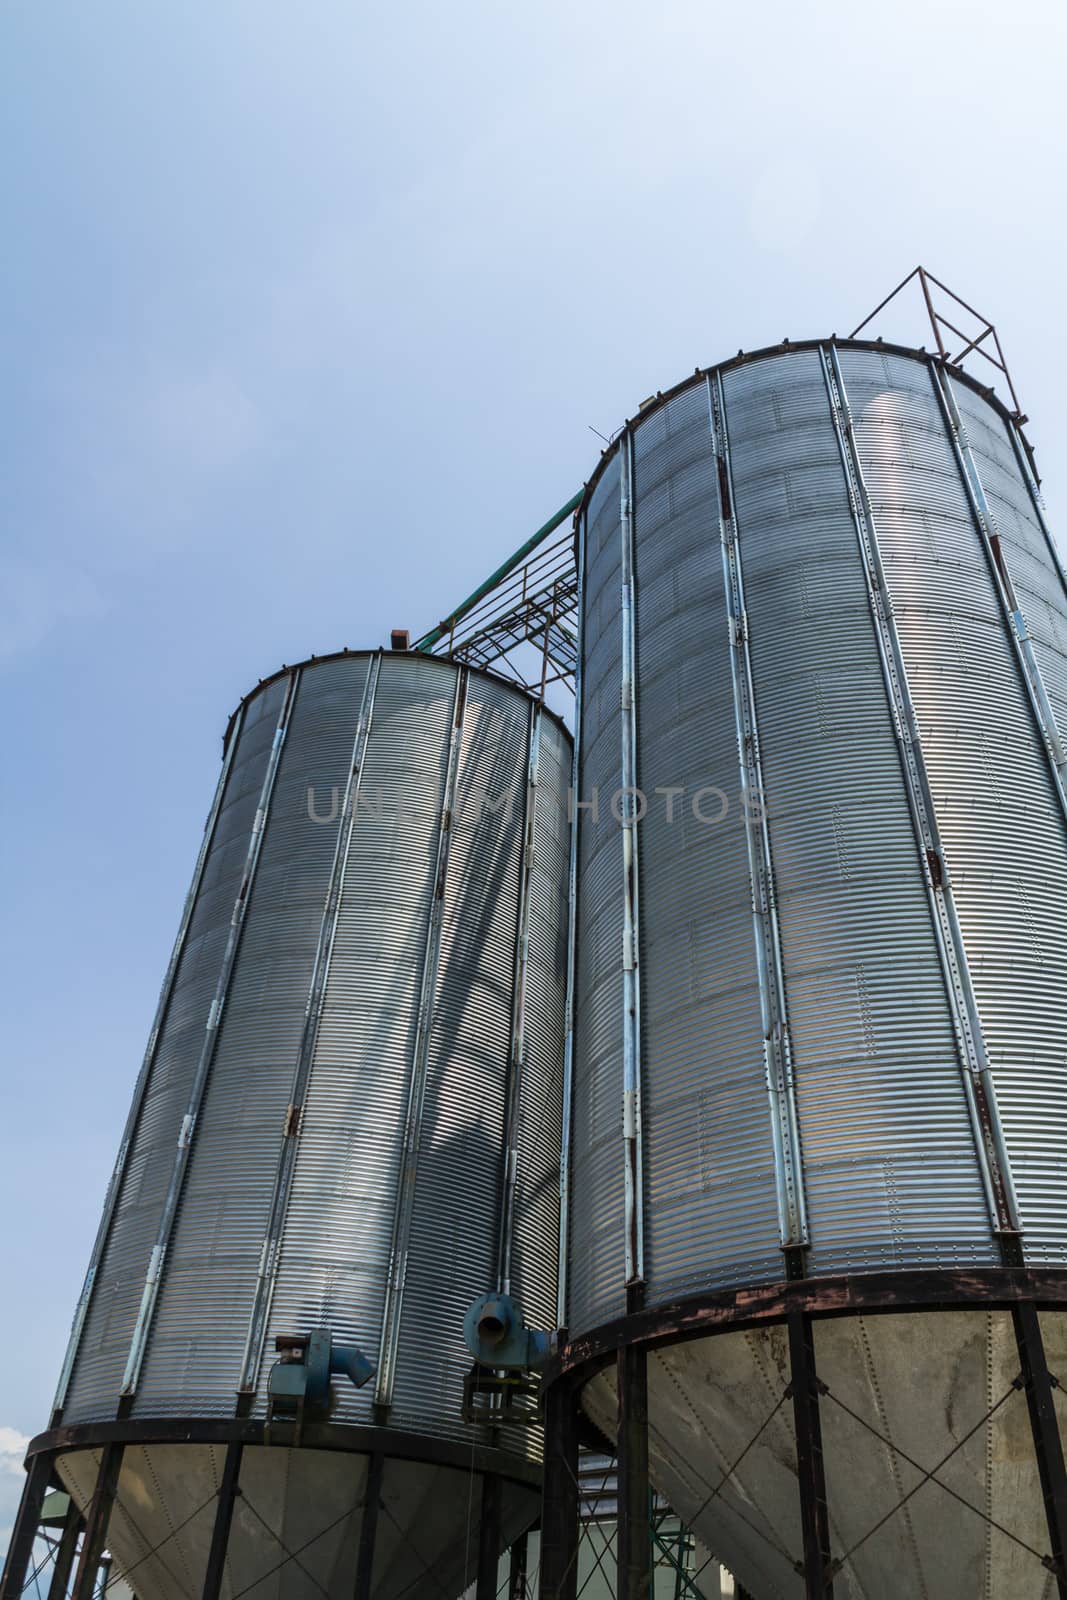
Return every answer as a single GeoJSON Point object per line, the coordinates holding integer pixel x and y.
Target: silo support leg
{"type": "Point", "coordinates": [1048, 1446]}
{"type": "Point", "coordinates": [220, 1533]}
{"type": "Point", "coordinates": [488, 1538]}
{"type": "Point", "coordinates": [368, 1532]}
{"type": "Point", "coordinates": [68, 1549]}
{"type": "Point", "coordinates": [20, 1550]}
{"type": "Point", "coordinates": [633, 1549]}
{"type": "Point", "coordinates": [517, 1571]}
{"type": "Point", "coordinates": [559, 1495]}
{"type": "Point", "coordinates": [814, 1517]}
{"type": "Point", "coordinates": [97, 1522]}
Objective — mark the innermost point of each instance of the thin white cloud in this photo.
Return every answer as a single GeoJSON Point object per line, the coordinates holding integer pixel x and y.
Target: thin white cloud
{"type": "Point", "coordinates": [12, 1450]}
{"type": "Point", "coordinates": [12, 1453]}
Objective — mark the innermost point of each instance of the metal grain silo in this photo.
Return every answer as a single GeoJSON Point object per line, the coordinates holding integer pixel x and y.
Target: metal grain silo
{"type": "Point", "coordinates": [347, 1120]}
{"type": "Point", "coordinates": [818, 1100]}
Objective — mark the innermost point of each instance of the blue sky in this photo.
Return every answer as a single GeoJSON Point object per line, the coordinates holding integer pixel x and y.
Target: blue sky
{"type": "Point", "coordinates": [308, 312]}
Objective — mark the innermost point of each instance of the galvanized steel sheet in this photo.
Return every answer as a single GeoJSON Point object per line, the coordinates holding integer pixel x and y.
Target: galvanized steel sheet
{"type": "Point", "coordinates": [341, 909]}
{"type": "Point", "coordinates": [885, 1090]}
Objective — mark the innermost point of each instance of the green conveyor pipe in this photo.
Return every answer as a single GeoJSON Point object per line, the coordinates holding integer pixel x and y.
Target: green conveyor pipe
{"type": "Point", "coordinates": [428, 640]}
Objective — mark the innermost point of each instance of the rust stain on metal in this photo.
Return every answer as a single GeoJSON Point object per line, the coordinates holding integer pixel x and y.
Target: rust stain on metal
{"type": "Point", "coordinates": [724, 490]}
{"type": "Point", "coordinates": [725, 1311]}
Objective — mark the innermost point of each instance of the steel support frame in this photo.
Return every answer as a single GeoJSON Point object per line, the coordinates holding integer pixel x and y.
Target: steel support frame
{"type": "Point", "coordinates": [799, 1304]}
{"type": "Point", "coordinates": [229, 1489]}
{"type": "Point", "coordinates": [20, 1550]}
{"type": "Point", "coordinates": [429, 640]}
{"type": "Point", "coordinates": [368, 1532]}
{"type": "Point", "coordinates": [380, 1445]}
{"type": "Point", "coordinates": [938, 320]}
{"type": "Point", "coordinates": [488, 1538]}
{"type": "Point", "coordinates": [633, 1546]}
{"type": "Point", "coordinates": [1044, 1426]}
{"type": "Point", "coordinates": [811, 1478]}
{"type": "Point", "coordinates": [66, 1551]}
{"type": "Point", "coordinates": [97, 1521]}
{"type": "Point", "coordinates": [634, 1572]}
{"type": "Point", "coordinates": [392, 1443]}
{"type": "Point", "coordinates": [559, 1494]}
{"type": "Point", "coordinates": [517, 1568]}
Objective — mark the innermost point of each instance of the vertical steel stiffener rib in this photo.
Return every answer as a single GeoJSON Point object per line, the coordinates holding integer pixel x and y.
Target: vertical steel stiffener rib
{"type": "Point", "coordinates": [977, 1078]}
{"type": "Point", "coordinates": [405, 1202]}
{"type": "Point", "coordinates": [1014, 619]}
{"type": "Point", "coordinates": [785, 1131]}
{"type": "Point", "coordinates": [517, 1047]}
{"type": "Point", "coordinates": [1027, 472]}
{"type": "Point", "coordinates": [631, 933]}
{"type": "Point", "coordinates": [134, 1116]}
{"type": "Point", "coordinates": [268, 1261]}
{"type": "Point", "coordinates": [572, 958]}
{"type": "Point", "coordinates": [187, 1130]}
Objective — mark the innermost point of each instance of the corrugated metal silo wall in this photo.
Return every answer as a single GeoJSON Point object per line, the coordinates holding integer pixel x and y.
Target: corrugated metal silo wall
{"type": "Point", "coordinates": [119, 1282]}
{"type": "Point", "coordinates": [335, 965]}
{"type": "Point", "coordinates": [890, 1165]}
{"type": "Point", "coordinates": [1002, 826]}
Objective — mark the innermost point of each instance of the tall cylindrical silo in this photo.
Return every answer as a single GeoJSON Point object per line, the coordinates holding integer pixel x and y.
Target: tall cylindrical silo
{"type": "Point", "coordinates": [347, 1123]}
{"type": "Point", "coordinates": [818, 1112]}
